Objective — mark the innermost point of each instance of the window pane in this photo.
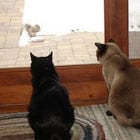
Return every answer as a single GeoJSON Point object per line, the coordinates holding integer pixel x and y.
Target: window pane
{"type": "Point", "coordinates": [134, 29]}
{"type": "Point", "coordinates": [69, 28]}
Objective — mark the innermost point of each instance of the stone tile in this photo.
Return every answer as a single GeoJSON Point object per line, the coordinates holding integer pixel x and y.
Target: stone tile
{"type": "Point", "coordinates": [2, 44]}
{"type": "Point", "coordinates": [10, 54]}
{"type": "Point", "coordinates": [64, 47]}
{"type": "Point", "coordinates": [10, 44]}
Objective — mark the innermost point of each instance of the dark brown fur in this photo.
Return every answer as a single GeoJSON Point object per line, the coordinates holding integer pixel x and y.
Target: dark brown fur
{"type": "Point", "coordinates": [123, 83]}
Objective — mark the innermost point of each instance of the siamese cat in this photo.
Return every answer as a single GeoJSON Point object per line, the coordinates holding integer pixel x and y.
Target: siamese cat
{"type": "Point", "coordinates": [123, 83]}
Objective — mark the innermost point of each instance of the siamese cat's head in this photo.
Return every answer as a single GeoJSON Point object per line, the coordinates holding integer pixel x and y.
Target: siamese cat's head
{"type": "Point", "coordinates": [107, 50]}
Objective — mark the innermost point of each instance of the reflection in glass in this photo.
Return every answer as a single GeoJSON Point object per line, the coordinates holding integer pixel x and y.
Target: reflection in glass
{"type": "Point", "coordinates": [134, 29]}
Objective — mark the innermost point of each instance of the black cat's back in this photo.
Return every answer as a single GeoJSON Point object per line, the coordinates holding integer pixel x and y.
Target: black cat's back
{"type": "Point", "coordinates": [53, 100]}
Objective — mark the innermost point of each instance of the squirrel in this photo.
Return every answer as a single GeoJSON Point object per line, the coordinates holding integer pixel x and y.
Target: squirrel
{"type": "Point", "coordinates": [32, 30]}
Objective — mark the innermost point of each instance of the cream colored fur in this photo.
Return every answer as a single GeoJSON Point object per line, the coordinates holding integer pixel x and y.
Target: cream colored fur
{"type": "Point", "coordinates": [123, 83]}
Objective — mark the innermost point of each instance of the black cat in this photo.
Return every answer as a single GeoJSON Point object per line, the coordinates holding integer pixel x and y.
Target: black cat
{"type": "Point", "coordinates": [51, 114]}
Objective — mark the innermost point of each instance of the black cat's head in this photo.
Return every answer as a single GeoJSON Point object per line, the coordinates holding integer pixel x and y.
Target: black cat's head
{"type": "Point", "coordinates": [42, 66]}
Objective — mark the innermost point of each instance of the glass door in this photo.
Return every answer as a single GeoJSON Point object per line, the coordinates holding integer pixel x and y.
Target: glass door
{"type": "Point", "coordinates": [134, 29]}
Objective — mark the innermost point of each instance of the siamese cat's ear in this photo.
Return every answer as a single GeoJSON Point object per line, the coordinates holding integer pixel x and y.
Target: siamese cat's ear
{"type": "Point", "coordinates": [111, 40]}
{"type": "Point", "coordinates": [33, 57]}
{"type": "Point", "coordinates": [100, 46]}
{"type": "Point", "coordinates": [50, 56]}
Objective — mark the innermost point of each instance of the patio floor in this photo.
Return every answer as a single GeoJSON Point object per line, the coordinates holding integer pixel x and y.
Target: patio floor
{"type": "Point", "coordinates": [69, 49]}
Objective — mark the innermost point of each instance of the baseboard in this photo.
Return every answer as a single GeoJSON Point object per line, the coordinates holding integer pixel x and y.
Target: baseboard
{"type": "Point", "coordinates": [84, 83]}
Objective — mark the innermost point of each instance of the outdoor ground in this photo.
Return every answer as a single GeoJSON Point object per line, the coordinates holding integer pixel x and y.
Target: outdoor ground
{"type": "Point", "coordinates": [69, 49]}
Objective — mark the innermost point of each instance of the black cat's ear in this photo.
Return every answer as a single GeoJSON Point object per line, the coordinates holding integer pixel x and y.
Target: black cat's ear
{"type": "Point", "coordinates": [111, 40]}
{"type": "Point", "coordinates": [50, 56]}
{"type": "Point", "coordinates": [100, 46]}
{"type": "Point", "coordinates": [33, 57]}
